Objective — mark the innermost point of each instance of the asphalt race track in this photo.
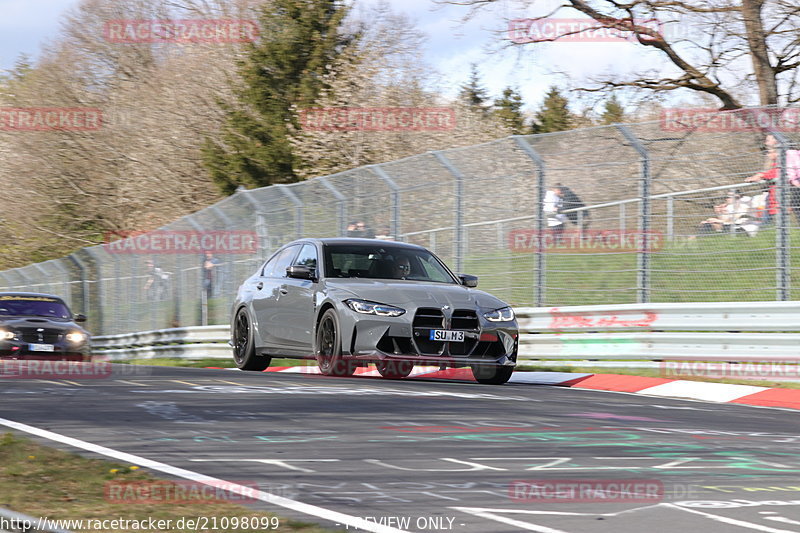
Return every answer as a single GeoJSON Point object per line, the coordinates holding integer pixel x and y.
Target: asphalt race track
{"type": "Point", "coordinates": [424, 455]}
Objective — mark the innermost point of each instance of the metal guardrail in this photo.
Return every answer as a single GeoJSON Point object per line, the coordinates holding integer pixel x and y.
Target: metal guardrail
{"type": "Point", "coordinates": [197, 342]}
{"type": "Point", "coordinates": [734, 331]}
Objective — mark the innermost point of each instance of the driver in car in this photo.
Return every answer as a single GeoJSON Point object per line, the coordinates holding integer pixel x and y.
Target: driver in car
{"type": "Point", "coordinates": [402, 267]}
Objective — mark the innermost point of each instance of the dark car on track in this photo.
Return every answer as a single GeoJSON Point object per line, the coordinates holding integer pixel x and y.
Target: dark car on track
{"type": "Point", "coordinates": [352, 302]}
{"type": "Point", "coordinates": [40, 326]}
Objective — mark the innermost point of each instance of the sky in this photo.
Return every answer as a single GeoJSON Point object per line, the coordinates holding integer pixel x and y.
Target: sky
{"type": "Point", "coordinates": [452, 46]}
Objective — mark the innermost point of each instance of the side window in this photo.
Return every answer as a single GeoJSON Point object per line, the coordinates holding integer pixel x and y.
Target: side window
{"type": "Point", "coordinates": [269, 265]}
{"type": "Point", "coordinates": [433, 271]}
{"type": "Point", "coordinates": [307, 256]}
{"type": "Point", "coordinates": [276, 268]}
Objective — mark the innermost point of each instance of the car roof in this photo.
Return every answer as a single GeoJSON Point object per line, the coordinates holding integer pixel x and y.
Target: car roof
{"type": "Point", "coordinates": [37, 294]}
{"type": "Point", "coordinates": [353, 240]}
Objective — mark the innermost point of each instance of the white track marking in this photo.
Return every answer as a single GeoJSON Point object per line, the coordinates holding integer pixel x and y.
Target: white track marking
{"type": "Point", "coordinates": [313, 510]}
{"type": "Point", "coordinates": [731, 521]}
{"type": "Point", "coordinates": [130, 383]}
{"type": "Point", "coordinates": [489, 514]}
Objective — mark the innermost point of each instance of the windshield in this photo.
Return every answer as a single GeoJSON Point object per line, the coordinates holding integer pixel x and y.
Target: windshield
{"type": "Point", "coordinates": [380, 261]}
{"type": "Point", "coordinates": [33, 306]}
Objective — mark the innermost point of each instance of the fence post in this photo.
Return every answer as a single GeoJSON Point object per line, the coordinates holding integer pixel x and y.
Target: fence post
{"type": "Point", "coordinates": [342, 201]}
{"type": "Point", "coordinates": [45, 279]}
{"type": "Point", "coordinates": [643, 260]}
{"type": "Point", "coordinates": [622, 217]}
{"type": "Point", "coordinates": [538, 288]}
{"type": "Point", "coordinates": [782, 248]}
{"type": "Point", "coordinates": [259, 219]}
{"type": "Point", "coordinates": [459, 218]}
{"type": "Point", "coordinates": [101, 300]}
{"type": "Point", "coordinates": [298, 208]}
{"type": "Point", "coordinates": [378, 171]}
{"type": "Point", "coordinates": [670, 218]}
{"type": "Point", "coordinates": [203, 294]}
{"type": "Point", "coordinates": [85, 307]}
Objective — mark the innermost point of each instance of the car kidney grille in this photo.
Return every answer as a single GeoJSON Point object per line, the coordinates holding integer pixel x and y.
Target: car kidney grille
{"type": "Point", "coordinates": [33, 336]}
{"type": "Point", "coordinates": [428, 318]}
{"type": "Point", "coordinates": [465, 319]}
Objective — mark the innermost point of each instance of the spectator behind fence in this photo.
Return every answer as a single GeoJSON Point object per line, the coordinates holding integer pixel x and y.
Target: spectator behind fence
{"type": "Point", "coordinates": [552, 207]}
{"type": "Point", "coordinates": [736, 210]}
{"type": "Point", "coordinates": [359, 228]}
{"type": "Point", "coordinates": [155, 288]}
{"type": "Point", "coordinates": [570, 200]}
{"type": "Point", "coordinates": [769, 174]}
{"type": "Point", "coordinates": [210, 273]}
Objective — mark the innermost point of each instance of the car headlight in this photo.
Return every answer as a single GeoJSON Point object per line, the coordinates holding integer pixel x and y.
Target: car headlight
{"type": "Point", "coordinates": [6, 335]}
{"type": "Point", "coordinates": [76, 337]}
{"type": "Point", "coordinates": [505, 314]}
{"type": "Point", "coordinates": [372, 308]}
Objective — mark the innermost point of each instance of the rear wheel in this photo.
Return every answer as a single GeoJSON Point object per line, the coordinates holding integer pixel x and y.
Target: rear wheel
{"type": "Point", "coordinates": [244, 350]}
{"type": "Point", "coordinates": [394, 369]}
{"type": "Point", "coordinates": [329, 347]}
{"type": "Point", "coordinates": [492, 375]}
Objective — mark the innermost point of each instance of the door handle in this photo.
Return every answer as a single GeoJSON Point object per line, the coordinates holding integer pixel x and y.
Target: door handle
{"type": "Point", "coordinates": [284, 290]}
{"type": "Point", "coordinates": [260, 285]}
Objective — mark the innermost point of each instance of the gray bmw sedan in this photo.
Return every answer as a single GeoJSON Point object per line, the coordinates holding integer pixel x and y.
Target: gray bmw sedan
{"type": "Point", "coordinates": [355, 302]}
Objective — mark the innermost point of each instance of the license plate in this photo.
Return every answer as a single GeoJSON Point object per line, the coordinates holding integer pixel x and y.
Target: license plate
{"type": "Point", "coordinates": [447, 335]}
{"type": "Point", "coordinates": [41, 347]}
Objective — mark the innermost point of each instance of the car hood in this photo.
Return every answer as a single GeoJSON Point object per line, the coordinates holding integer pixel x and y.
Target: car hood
{"type": "Point", "coordinates": [40, 322]}
{"type": "Point", "coordinates": [420, 294]}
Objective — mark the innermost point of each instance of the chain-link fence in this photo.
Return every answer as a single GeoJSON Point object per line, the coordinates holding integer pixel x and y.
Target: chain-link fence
{"type": "Point", "coordinates": [655, 211]}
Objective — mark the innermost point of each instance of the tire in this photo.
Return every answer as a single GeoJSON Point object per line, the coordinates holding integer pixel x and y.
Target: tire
{"type": "Point", "coordinates": [244, 350]}
{"type": "Point", "coordinates": [328, 350]}
{"type": "Point", "coordinates": [492, 375]}
{"type": "Point", "coordinates": [394, 369]}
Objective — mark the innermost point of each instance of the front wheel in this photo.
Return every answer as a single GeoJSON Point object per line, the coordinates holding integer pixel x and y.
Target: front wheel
{"type": "Point", "coordinates": [394, 369]}
{"type": "Point", "coordinates": [329, 348]}
{"type": "Point", "coordinates": [492, 375]}
{"type": "Point", "coordinates": [244, 350]}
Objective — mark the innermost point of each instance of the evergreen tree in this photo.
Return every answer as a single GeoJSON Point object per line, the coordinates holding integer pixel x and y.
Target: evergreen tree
{"type": "Point", "coordinates": [555, 114]}
{"type": "Point", "coordinates": [299, 41]}
{"type": "Point", "coordinates": [472, 94]}
{"type": "Point", "coordinates": [613, 112]}
{"type": "Point", "coordinates": [509, 110]}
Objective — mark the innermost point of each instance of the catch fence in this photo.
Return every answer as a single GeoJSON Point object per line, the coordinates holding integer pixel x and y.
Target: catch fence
{"type": "Point", "coordinates": [646, 191]}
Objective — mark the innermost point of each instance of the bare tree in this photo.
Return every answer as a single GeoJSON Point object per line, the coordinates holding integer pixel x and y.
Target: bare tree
{"type": "Point", "coordinates": [142, 168]}
{"type": "Point", "coordinates": [387, 72]}
{"type": "Point", "coordinates": [719, 48]}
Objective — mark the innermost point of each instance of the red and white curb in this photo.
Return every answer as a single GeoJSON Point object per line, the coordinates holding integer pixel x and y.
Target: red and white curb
{"type": "Point", "coordinates": [648, 386]}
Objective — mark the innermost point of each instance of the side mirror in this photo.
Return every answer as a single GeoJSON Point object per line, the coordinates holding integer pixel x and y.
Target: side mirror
{"type": "Point", "coordinates": [300, 272]}
{"type": "Point", "coordinates": [468, 280]}
{"type": "Point", "coordinates": [79, 318]}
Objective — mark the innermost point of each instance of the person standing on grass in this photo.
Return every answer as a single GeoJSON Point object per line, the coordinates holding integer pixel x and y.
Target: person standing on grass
{"type": "Point", "coordinates": [209, 272]}
{"type": "Point", "coordinates": [570, 200]}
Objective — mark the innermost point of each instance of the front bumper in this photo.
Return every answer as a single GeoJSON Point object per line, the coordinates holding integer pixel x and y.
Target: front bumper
{"type": "Point", "coordinates": [62, 350]}
{"type": "Point", "coordinates": [369, 338]}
